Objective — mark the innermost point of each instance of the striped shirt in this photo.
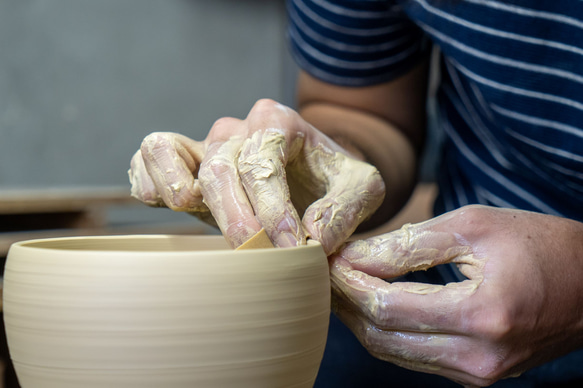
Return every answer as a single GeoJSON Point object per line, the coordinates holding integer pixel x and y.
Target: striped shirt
{"type": "Point", "coordinates": [511, 92]}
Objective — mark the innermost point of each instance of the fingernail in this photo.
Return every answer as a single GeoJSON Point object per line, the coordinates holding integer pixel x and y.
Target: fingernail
{"type": "Point", "coordinates": [284, 240]}
{"type": "Point", "coordinates": [289, 233]}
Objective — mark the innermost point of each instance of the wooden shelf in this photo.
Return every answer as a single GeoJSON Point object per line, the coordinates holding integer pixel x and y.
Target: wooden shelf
{"type": "Point", "coordinates": [61, 199]}
{"type": "Point", "coordinates": [30, 213]}
{"type": "Point", "coordinates": [7, 239]}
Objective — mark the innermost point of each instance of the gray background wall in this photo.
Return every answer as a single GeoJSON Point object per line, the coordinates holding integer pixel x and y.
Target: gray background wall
{"type": "Point", "coordinates": [83, 81]}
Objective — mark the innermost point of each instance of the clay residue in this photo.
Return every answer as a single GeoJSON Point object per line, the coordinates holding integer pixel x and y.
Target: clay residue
{"type": "Point", "coordinates": [360, 267]}
{"type": "Point", "coordinates": [353, 191]}
{"type": "Point", "coordinates": [261, 165]}
{"type": "Point", "coordinates": [162, 172]}
{"type": "Point", "coordinates": [221, 187]}
{"type": "Point", "coordinates": [293, 184]}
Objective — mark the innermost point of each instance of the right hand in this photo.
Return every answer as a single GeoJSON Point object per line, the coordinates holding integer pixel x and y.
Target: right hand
{"type": "Point", "coordinates": [265, 171]}
{"type": "Point", "coordinates": [520, 305]}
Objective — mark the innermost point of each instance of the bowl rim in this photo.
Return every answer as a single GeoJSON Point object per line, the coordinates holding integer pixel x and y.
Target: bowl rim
{"type": "Point", "coordinates": [37, 244]}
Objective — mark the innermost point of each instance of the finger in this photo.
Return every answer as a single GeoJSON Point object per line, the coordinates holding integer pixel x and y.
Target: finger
{"type": "Point", "coordinates": [172, 161]}
{"type": "Point", "coordinates": [457, 357]}
{"type": "Point", "coordinates": [261, 167]}
{"type": "Point", "coordinates": [402, 305]}
{"type": "Point", "coordinates": [223, 193]}
{"type": "Point", "coordinates": [451, 356]}
{"type": "Point", "coordinates": [349, 190]}
{"type": "Point", "coordinates": [411, 248]}
{"type": "Point", "coordinates": [143, 187]}
{"type": "Point", "coordinates": [354, 190]}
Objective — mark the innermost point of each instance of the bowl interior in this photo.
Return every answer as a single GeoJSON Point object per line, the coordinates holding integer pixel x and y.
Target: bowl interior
{"type": "Point", "coordinates": [133, 243]}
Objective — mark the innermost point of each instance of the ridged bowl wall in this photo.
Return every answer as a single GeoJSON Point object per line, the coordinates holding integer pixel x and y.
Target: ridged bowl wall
{"type": "Point", "coordinates": [164, 311]}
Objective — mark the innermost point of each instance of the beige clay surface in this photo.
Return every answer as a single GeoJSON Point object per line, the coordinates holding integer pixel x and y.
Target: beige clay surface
{"type": "Point", "coordinates": [164, 311]}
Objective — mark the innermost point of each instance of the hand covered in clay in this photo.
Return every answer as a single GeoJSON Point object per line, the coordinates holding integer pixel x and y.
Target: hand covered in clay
{"type": "Point", "coordinates": [521, 305]}
{"type": "Point", "coordinates": [271, 170]}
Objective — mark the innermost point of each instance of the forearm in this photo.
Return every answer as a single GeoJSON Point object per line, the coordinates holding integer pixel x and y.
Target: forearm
{"type": "Point", "coordinates": [375, 140]}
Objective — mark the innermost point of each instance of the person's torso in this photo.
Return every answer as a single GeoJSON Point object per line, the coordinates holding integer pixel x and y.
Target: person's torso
{"type": "Point", "coordinates": [511, 101]}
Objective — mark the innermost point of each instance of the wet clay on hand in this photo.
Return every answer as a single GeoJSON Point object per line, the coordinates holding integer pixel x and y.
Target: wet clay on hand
{"type": "Point", "coordinates": [272, 170]}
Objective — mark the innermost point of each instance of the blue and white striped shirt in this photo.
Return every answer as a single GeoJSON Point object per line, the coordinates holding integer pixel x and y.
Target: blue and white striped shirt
{"type": "Point", "coordinates": [511, 92]}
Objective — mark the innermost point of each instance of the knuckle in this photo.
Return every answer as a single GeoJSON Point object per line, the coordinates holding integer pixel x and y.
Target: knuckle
{"type": "Point", "coordinates": [368, 338]}
{"type": "Point", "coordinates": [154, 141]}
{"type": "Point", "coordinates": [268, 108]}
{"type": "Point", "coordinates": [264, 105]}
{"type": "Point", "coordinates": [493, 324]}
{"type": "Point", "coordinates": [213, 169]}
{"type": "Point", "coordinates": [493, 327]}
{"type": "Point", "coordinates": [474, 221]}
{"type": "Point", "coordinates": [224, 126]}
{"type": "Point", "coordinates": [376, 184]}
{"type": "Point", "coordinates": [473, 214]}
{"type": "Point", "coordinates": [489, 370]}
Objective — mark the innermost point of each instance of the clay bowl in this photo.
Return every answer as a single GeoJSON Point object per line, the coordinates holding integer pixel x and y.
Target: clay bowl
{"type": "Point", "coordinates": [164, 311]}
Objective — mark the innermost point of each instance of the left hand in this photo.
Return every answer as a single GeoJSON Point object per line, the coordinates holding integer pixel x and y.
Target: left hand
{"type": "Point", "coordinates": [522, 304]}
{"type": "Point", "coordinates": [272, 170]}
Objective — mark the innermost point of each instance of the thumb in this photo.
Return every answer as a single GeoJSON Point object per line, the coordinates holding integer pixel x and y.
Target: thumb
{"type": "Point", "coordinates": [354, 190]}
{"type": "Point", "coordinates": [412, 248]}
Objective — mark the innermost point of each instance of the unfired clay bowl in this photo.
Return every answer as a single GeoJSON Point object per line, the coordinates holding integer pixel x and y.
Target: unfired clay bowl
{"type": "Point", "coordinates": [164, 311]}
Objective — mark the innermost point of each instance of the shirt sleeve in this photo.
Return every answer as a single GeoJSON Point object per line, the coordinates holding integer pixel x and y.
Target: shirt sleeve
{"type": "Point", "coordinates": [353, 43]}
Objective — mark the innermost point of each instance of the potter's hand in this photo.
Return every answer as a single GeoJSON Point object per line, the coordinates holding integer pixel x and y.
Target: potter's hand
{"type": "Point", "coordinates": [248, 172]}
{"type": "Point", "coordinates": [521, 305]}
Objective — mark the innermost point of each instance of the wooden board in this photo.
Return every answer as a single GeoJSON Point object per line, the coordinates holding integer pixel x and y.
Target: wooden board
{"type": "Point", "coordinates": [61, 199]}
